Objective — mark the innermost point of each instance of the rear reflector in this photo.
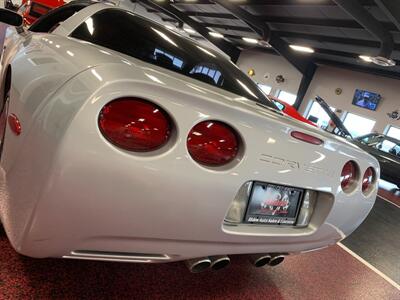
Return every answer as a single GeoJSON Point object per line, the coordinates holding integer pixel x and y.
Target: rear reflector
{"type": "Point", "coordinates": [135, 124]}
{"type": "Point", "coordinates": [349, 175]}
{"type": "Point", "coordinates": [306, 138]}
{"type": "Point", "coordinates": [14, 124]}
{"type": "Point", "coordinates": [213, 143]}
{"type": "Point", "coordinates": [368, 180]}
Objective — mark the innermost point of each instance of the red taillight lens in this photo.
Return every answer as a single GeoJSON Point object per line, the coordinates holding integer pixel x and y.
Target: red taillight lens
{"type": "Point", "coordinates": [135, 124]}
{"type": "Point", "coordinates": [348, 176]}
{"type": "Point", "coordinates": [306, 138]}
{"type": "Point", "coordinates": [368, 179]}
{"type": "Point", "coordinates": [213, 143]}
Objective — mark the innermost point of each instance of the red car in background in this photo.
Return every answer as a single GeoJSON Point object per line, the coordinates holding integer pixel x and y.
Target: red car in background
{"type": "Point", "coordinates": [290, 110]}
{"type": "Point", "coordinates": [31, 10]}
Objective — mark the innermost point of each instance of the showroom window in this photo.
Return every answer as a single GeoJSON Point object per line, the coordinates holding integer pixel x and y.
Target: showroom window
{"type": "Point", "coordinates": [265, 88]}
{"type": "Point", "coordinates": [289, 98]}
{"type": "Point", "coordinates": [317, 115]}
{"type": "Point", "coordinates": [358, 125]}
{"type": "Point", "coordinates": [393, 132]}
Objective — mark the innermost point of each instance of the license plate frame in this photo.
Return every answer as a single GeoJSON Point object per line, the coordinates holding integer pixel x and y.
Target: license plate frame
{"type": "Point", "coordinates": [273, 204]}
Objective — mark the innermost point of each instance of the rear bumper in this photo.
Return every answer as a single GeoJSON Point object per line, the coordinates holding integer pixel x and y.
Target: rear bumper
{"type": "Point", "coordinates": [153, 209]}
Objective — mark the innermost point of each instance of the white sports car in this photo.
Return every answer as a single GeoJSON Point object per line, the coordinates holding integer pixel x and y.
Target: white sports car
{"type": "Point", "coordinates": [124, 141]}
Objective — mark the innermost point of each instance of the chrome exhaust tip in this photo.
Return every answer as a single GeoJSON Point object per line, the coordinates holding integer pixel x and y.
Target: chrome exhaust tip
{"type": "Point", "coordinates": [219, 262]}
{"type": "Point", "coordinates": [197, 265]}
{"type": "Point", "coordinates": [259, 260]}
{"type": "Point", "coordinates": [276, 260]}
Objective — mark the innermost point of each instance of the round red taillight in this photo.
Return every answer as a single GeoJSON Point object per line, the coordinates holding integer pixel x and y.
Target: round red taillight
{"type": "Point", "coordinates": [135, 124]}
{"type": "Point", "coordinates": [348, 176]}
{"type": "Point", "coordinates": [213, 143]}
{"type": "Point", "coordinates": [368, 179]}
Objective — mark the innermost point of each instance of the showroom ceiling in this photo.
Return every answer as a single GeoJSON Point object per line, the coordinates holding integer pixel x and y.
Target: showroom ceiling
{"type": "Point", "coordinates": [335, 36]}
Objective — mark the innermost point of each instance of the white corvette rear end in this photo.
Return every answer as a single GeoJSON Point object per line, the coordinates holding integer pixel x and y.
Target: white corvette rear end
{"type": "Point", "coordinates": [75, 190]}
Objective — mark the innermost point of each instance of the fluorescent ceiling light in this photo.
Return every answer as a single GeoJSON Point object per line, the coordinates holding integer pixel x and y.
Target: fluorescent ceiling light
{"type": "Point", "coordinates": [189, 30]}
{"type": "Point", "coordinates": [302, 48]}
{"type": "Point", "coordinates": [250, 40]}
{"type": "Point", "coordinates": [365, 58]}
{"type": "Point", "coordinates": [216, 34]}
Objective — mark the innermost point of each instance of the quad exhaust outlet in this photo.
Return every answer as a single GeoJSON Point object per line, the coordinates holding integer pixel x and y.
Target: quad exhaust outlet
{"type": "Point", "coordinates": [197, 265]}
{"type": "Point", "coordinates": [262, 259]}
{"type": "Point", "coordinates": [218, 262]}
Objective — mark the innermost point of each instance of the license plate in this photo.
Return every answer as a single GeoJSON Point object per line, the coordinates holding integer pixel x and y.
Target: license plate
{"type": "Point", "coordinates": [273, 204]}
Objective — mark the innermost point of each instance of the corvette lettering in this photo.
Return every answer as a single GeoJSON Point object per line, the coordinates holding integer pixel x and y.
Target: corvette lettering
{"type": "Point", "coordinates": [279, 161]}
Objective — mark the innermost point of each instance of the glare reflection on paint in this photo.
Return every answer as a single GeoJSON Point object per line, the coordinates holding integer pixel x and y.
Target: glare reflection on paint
{"type": "Point", "coordinates": [202, 116]}
{"type": "Point", "coordinates": [150, 168]}
{"type": "Point", "coordinates": [244, 124]}
{"type": "Point", "coordinates": [97, 75]}
{"type": "Point", "coordinates": [164, 36]}
{"type": "Point", "coordinates": [89, 25]}
{"type": "Point", "coordinates": [126, 62]}
{"type": "Point", "coordinates": [196, 88]}
{"type": "Point", "coordinates": [154, 78]}
{"type": "Point", "coordinates": [284, 171]}
{"type": "Point", "coordinates": [271, 141]}
{"type": "Point", "coordinates": [206, 51]}
{"type": "Point", "coordinates": [320, 158]}
{"type": "Point", "coordinates": [346, 154]}
{"type": "Point", "coordinates": [246, 88]}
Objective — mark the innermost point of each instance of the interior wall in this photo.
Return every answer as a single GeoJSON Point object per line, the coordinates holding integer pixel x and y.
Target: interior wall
{"type": "Point", "coordinates": [327, 79]}
{"type": "Point", "coordinates": [267, 67]}
{"type": "Point", "coordinates": [324, 83]}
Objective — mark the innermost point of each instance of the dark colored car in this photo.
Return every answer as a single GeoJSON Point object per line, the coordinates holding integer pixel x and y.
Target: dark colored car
{"type": "Point", "coordinates": [387, 151]}
{"type": "Point", "coordinates": [384, 148]}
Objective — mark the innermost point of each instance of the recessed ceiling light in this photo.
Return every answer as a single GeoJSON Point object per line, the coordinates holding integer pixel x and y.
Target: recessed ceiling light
{"type": "Point", "coordinates": [365, 58]}
{"type": "Point", "coordinates": [302, 48]}
{"type": "Point", "coordinates": [216, 34]}
{"type": "Point", "coordinates": [189, 30]}
{"type": "Point", "coordinates": [250, 40]}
